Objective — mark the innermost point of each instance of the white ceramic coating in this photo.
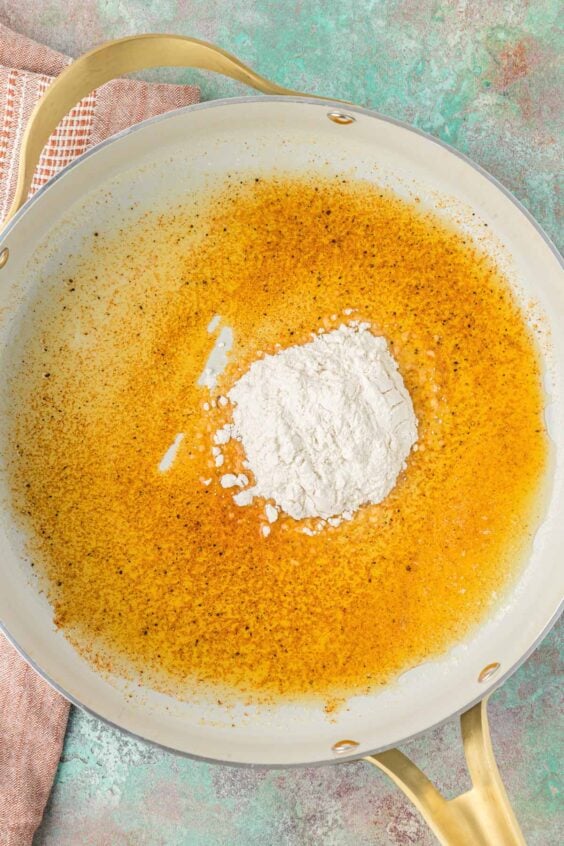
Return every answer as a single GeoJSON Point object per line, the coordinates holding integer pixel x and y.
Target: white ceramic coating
{"type": "Point", "coordinates": [178, 154]}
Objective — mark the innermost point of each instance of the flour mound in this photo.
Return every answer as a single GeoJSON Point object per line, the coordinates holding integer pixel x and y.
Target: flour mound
{"type": "Point", "coordinates": [326, 426]}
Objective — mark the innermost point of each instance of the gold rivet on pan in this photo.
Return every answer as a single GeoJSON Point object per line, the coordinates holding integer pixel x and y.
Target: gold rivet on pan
{"type": "Point", "coordinates": [340, 117]}
{"type": "Point", "coordinates": [4, 255]}
{"type": "Point", "coordinates": [343, 746]}
{"type": "Point", "coordinates": [489, 671]}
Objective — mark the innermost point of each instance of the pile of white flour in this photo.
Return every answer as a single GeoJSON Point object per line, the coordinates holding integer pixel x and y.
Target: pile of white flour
{"type": "Point", "coordinates": [326, 426]}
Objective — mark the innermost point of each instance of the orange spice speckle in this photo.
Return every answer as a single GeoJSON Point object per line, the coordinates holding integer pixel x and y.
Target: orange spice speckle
{"type": "Point", "coordinates": [166, 572]}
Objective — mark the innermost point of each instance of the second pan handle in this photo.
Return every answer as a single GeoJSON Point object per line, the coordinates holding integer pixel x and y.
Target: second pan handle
{"type": "Point", "coordinates": [114, 59]}
{"type": "Point", "coordinates": [482, 816]}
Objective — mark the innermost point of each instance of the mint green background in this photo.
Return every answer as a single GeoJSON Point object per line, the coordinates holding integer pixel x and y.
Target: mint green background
{"type": "Point", "coordinates": [482, 75]}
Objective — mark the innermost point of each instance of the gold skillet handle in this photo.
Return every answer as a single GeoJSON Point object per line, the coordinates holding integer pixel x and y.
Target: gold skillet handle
{"type": "Point", "coordinates": [481, 817]}
{"type": "Point", "coordinates": [114, 59]}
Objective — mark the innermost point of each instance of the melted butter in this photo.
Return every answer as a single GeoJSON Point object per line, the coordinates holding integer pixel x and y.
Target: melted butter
{"type": "Point", "coordinates": [166, 573]}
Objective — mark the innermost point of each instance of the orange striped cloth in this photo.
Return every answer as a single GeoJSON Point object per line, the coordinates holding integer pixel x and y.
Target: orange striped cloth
{"type": "Point", "coordinates": [26, 70]}
{"type": "Point", "coordinates": [33, 717]}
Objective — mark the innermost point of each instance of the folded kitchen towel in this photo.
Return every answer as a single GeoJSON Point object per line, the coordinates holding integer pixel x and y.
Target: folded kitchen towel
{"type": "Point", "coordinates": [33, 716]}
{"type": "Point", "coordinates": [27, 68]}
